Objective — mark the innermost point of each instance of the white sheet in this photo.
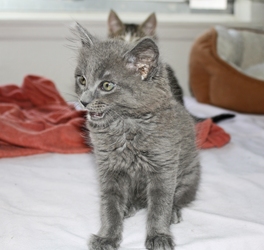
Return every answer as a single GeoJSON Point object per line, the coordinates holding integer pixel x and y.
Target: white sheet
{"type": "Point", "coordinates": [51, 201]}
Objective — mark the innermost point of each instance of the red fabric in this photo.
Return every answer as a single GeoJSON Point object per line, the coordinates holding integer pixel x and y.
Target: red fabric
{"type": "Point", "coordinates": [210, 135]}
{"type": "Point", "coordinates": [35, 119]}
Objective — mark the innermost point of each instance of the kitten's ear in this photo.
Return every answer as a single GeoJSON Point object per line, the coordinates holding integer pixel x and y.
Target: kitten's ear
{"type": "Point", "coordinates": [149, 26]}
{"type": "Point", "coordinates": [86, 38]}
{"type": "Point", "coordinates": [143, 58]}
{"type": "Point", "coordinates": [114, 23]}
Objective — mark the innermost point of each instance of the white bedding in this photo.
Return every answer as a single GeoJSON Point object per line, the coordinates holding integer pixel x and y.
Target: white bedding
{"type": "Point", "coordinates": [51, 201]}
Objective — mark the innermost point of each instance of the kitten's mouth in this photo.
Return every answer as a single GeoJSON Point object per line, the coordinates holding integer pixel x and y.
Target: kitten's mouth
{"type": "Point", "coordinates": [95, 115]}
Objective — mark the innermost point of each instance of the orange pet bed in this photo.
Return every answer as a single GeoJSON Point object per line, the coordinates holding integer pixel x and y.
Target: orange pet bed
{"type": "Point", "coordinates": [227, 69]}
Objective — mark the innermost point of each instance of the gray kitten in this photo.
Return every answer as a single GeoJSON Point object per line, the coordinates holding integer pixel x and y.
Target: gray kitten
{"type": "Point", "coordinates": [143, 139]}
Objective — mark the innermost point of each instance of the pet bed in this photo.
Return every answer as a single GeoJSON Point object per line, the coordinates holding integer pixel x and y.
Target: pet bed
{"type": "Point", "coordinates": [227, 69]}
{"type": "Point", "coordinates": [50, 201]}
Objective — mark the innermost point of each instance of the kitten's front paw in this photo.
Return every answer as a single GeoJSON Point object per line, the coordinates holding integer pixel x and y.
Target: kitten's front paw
{"type": "Point", "coordinates": [100, 243]}
{"type": "Point", "coordinates": [129, 212]}
{"type": "Point", "coordinates": [176, 216]}
{"type": "Point", "coordinates": [159, 242]}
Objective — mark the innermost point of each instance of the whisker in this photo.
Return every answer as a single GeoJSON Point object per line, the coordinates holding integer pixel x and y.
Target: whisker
{"type": "Point", "coordinates": [74, 95]}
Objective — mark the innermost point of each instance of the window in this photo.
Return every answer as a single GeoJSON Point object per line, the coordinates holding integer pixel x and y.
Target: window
{"type": "Point", "coordinates": [158, 6]}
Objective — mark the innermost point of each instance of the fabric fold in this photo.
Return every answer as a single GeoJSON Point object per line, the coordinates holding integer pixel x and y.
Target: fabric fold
{"type": "Point", "coordinates": [34, 119]}
{"type": "Point", "coordinates": [210, 135]}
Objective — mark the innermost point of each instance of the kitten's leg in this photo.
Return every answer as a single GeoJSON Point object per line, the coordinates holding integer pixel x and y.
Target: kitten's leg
{"type": "Point", "coordinates": [186, 191]}
{"type": "Point", "coordinates": [137, 196]}
{"type": "Point", "coordinates": [161, 190]}
{"type": "Point", "coordinates": [113, 200]}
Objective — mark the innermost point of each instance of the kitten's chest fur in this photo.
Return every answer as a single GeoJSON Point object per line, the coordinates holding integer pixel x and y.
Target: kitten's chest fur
{"type": "Point", "coordinates": [124, 146]}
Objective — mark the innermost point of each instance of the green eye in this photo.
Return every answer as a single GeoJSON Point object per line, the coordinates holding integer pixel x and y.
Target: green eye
{"type": "Point", "coordinates": [81, 80]}
{"type": "Point", "coordinates": [107, 86]}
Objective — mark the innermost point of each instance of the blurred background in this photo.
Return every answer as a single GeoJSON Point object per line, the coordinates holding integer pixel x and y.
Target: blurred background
{"type": "Point", "coordinates": [33, 33]}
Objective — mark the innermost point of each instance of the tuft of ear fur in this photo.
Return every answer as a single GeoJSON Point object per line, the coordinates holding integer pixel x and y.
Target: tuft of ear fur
{"type": "Point", "coordinates": [86, 38]}
{"type": "Point", "coordinates": [149, 25]}
{"type": "Point", "coordinates": [114, 23]}
{"type": "Point", "coordinates": [143, 58]}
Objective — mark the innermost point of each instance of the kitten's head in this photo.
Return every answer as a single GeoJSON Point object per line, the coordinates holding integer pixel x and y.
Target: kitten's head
{"type": "Point", "coordinates": [115, 79]}
{"type": "Point", "coordinates": [131, 32]}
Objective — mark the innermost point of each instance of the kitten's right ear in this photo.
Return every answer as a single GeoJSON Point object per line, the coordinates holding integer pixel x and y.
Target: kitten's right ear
{"type": "Point", "coordinates": [143, 58]}
{"type": "Point", "coordinates": [86, 38]}
{"type": "Point", "coordinates": [114, 23]}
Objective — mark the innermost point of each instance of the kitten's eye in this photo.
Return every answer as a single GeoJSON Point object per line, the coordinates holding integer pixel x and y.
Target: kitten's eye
{"type": "Point", "coordinates": [107, 86]}
{"type": "Point", "coordinates": [81, 80]}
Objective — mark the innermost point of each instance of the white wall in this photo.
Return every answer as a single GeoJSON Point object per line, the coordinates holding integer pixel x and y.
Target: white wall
{"type": "Point", "coordinates": [37, 45]}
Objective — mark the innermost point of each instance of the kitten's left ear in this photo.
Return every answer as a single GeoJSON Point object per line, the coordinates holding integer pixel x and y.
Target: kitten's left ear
{"type": "Point", "coordinates": [114, 23]}
{"type": "Point", "coordinates": [149, 25]}
{"type": "Point", "coordinates": [86, 38]}
{"type": "Point", "coordinates": [143, 58]}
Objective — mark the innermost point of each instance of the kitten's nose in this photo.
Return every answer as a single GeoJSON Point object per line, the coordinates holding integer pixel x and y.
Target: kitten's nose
{"type": "Point", "coordinates": [84, 103]}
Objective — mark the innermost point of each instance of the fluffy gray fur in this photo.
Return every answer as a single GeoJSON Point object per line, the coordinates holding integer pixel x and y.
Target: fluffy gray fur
{"type": "Point", "coordinates": [143, 139]}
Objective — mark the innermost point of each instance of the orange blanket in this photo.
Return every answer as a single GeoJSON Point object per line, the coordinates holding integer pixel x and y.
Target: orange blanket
{"type": "Point", "coordinates": [35, 119]}
{"type": "Point", "coordinates": [210, 135]}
